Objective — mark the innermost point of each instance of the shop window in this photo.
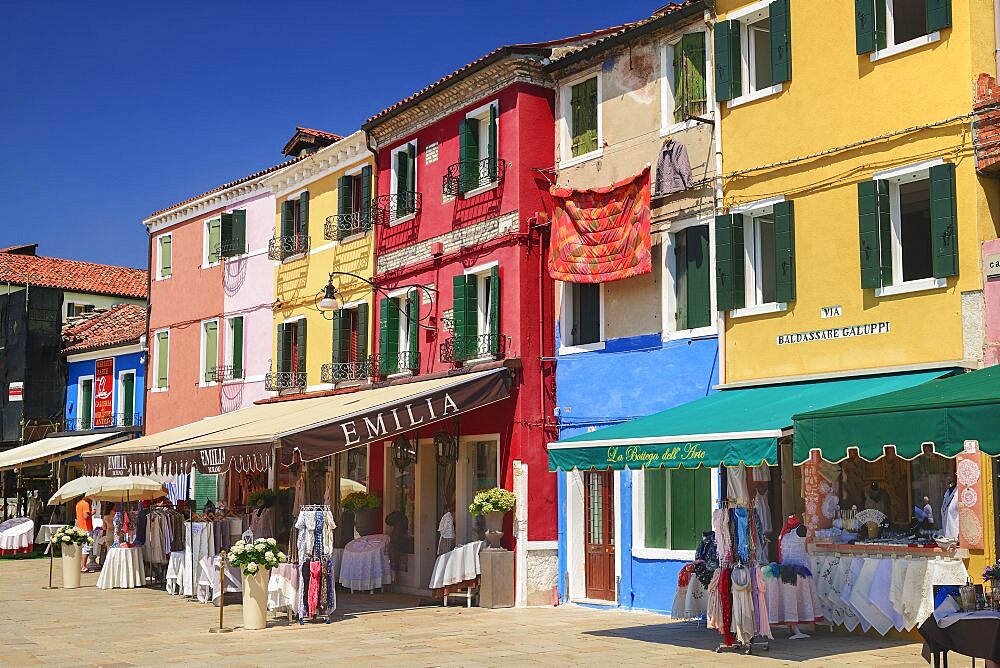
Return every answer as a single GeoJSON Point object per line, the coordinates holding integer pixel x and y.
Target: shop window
{"type": "Point", "coordinates": [684, 83]}
{"type": "Point", "coordinates": [353, 465]}
{"type": "Point", "coordinates": [677, 507]}
{"type": "Point", "coordinates": [401, 508]}
{"type": "Point", "coordinates": [692, 280]}
{"type": "Point", "coordinates": [583, 315]}
{"type": "Point", "coordinates": [582, 134]}
{"type": "Point", "coordinates": [483, 474]}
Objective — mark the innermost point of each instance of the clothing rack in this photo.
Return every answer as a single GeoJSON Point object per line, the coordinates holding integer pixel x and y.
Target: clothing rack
{"type": "Point", "coordinates": [313, 507]}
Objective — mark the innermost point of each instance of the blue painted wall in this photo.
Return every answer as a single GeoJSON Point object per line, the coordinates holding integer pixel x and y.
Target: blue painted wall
{"type": "Point", "coordinates": [123, 362]}
{"type": "Point", "coordinates": [630, 378]}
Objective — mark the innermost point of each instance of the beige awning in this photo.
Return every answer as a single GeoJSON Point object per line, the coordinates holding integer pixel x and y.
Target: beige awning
{"type": "Point", "coordinates": [52, 448]}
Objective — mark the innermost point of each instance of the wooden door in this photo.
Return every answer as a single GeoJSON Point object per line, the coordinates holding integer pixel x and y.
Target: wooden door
{"type": "Point", "coordinates": [599, 535]}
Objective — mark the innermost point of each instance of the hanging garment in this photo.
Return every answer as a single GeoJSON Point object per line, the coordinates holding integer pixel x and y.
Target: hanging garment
{"type": "Point", "coordinates": [761, 609]}
{"type": "Point", "coordinates": [446, 529]}
{"type": "Point", "coordinates": [720, 525]}
{"type": "Point", "coordinates": [673, 168]}
{"type": "Point", "coordinates": [949, 514]}
{"type": "Point", "coordinates": [725, 592]}
{"type": "Point", "coordinates": [742, 623]}
{"type": "Point", "coordinates": [741, 525]}
{"type": "Point", "coordinates": [713, 606]}
{"type": "Point", "coordinates": [736, 484]}
{"type": "Point", "coordinates": [318, 535]}
{"type": "Point", "coordinates": [200, 545]}
{"type": "Point", "coordinates": [761, 473]}
{"type": "Point", "coordinates": [763, 509]}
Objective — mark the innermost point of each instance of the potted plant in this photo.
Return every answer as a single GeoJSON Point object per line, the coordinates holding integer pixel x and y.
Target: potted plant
{"type": "Point", "coordinates": [69, 540]}
{"type": "Point", "coordinates": [991, 574]}
{"type": "Point", "coordinates": [493, 504]}
{"type": "Point", "coordinates": [256, 560]}
{"type": "Point", "coordinates": [364, 505]}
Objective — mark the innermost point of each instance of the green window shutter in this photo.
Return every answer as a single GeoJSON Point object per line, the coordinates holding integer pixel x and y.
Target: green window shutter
{"type": "Point", "coordinates": [282, 351]}
{"type": "Point", "coordinates": [413, 326]}
{"type": "Point", "coordinates": [341, 337]}
{"type": "Point", "coordinates": [938, 15]}
{"type": "Point", "coordinates": [388, 340]}
{"type": "Point", "coordinates": [214, 238]}
{"type": "Point", "coordinates": [300, 329]}
{"type": "Point", "coordinates": [206, 488]}
{"type": "Point", "coordinates": [693, 67]}
{"type": "Point", "coordinates": [211, 351]}
{"type": "Point", "coordinates": [362, 349]}
{"type": "Point", "coordinates": [583, 104]}
{"type": "Point", "coordinates": [70, 309]}
{"type": "Point", "coordinates": [698, 278]}
{"type": "Point", "coordinates": [287, 218]}
{"type": "Point", "coordinates": [784, 251]}
{"type": "Point", "coordinates": [729, 268]}
{"type": "Point", "coordinates": [494, 321]}
{"type": "Point", "coordinates": [680, 83]}
{"type": "Point", "coordinates": [237, 345]}
{"type": "Point", "coordinates": [128, 400]}
{"type": "Point", "coordinates": [86, 403]}
{"type": "Point", "coordinates": [162, 358]}
{"type": "Point", "coordinates": [587, 313]}
{"type": "Point", "coordinates": [239, 232]}
{"type": "Point", "coordinates": [881, 35]}
{"type": "Point", "coordinates": [864, 26]}
{"type": "Point", "coordinates": [654, 499]}
{"type": "Point", "coordinates": [345, 191]}
{"type": "Point", "coordinates": [165, 256]}
{"type": "Point", "coordinates": [690, 506]}
{"type": "Point", "coordinates": [728, 72]}
{"type": "Point", "coordinates": [366, 196]}
{"type": "Point", "coordinates": [493, 150]}
{"type": "Point", "coordinates": [781, 41]}
{"type": "Point", "coordinates": [403, 183]}
{"type": "Point", "coordinates": [468, 152]}
{"type": "Point", "coordinates": [874, 228]}
{"type": "Point", "coordinates": [459, 314]}
{"type": "Point", "coordinates": [303, 230]}
{"type": "Point", "coordinates": [227, 235]}
{"type": "Point", "coordinates": [944, 220]}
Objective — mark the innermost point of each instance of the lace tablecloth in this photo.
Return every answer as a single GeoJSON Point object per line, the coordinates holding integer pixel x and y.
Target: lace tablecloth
{"type": "Point", "coordinates": [283, 588]}
{"type": "Point", "coordinates": [459, 565]}
{"type": "Point", "coordinates": [208, 579]}
{"type": "Point", "coordinates": [365, 564]}
{"type": "Point", "coordinates": [123, 569]}
{"type": "Point", "coordinates": [15, 535]}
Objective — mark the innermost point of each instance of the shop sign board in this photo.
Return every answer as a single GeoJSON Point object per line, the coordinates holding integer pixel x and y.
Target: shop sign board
{"type": "Point", "coordinates": [991, 264]}
{"type": "Point", "coordinates": [833, 333]}
{"type": "Point", "coordinates": [15, 392]}
{"type": "Point", "coordinates": [104, 392]}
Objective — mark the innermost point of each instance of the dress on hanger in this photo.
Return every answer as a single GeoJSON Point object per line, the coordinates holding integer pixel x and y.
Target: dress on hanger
{"type": "Point", "coordinates": [742, 624]}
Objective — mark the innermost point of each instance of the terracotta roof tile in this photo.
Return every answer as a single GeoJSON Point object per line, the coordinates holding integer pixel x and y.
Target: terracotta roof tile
{"type": "Point", "coordinates": [73, 275]}
{"type": "Point", "coordinates": [119, 325]}
{"type": "Point", "coordinates": [323, 134]}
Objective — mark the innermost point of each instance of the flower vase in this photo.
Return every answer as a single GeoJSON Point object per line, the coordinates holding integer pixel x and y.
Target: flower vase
{"type": "Point", "coordinates": [255, 600]}
{"type": "Point", "coordinates": [71, 565]}
{"type": "Point", "coordinates": [494, 528]}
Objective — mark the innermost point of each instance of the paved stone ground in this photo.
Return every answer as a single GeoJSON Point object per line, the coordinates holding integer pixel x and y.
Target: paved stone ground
{"type": "Point", "coordinates": [143, 627]}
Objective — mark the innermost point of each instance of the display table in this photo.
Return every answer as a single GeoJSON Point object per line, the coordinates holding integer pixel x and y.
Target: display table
{"type": "Point", "coordinates": [45, 533]}
{"type": "Point", "coordinates": [976, 635]}
{"type": "Point", "coordinates": [456, 570]}
{"type": "Point", "coordinates": [283, 589]}
{"type": "Point", "coordinates": [15, 536]}
{"type": "Point", "coordinates": [365, 564]}
{"type": "Point", "coordinates": [123, 569]}
{"type": "Point", "coordinates": [208, 579]}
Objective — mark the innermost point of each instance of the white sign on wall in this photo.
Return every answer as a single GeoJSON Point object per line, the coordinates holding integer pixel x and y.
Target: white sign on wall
{"type": "Point", "coordinates": [834, 333]}
{"type": "Point", "coordinates": [991, 264]}
{"type": "Point", "coordinates": [831, 311]}
{"type": "Point", "coordinates": [15, 392]}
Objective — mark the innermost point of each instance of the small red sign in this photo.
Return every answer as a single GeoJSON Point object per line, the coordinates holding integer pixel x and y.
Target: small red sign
{"type": "Point", "coordinates": [104, 392]}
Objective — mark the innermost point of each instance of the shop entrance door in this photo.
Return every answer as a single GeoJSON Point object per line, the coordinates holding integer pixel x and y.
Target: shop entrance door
{"type": "Point", "coordinates": [599, 535]}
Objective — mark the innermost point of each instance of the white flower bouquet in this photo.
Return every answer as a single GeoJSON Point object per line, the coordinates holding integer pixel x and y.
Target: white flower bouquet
{"type": "Point", "coordinates": [492, 500]}
{"type": "Point", "coordinates": [71, 536]}
{"type": "Point", "coordinates": [262, 553]}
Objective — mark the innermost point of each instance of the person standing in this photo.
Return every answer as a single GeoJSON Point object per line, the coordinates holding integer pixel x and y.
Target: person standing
{"type": "Point", "coordinates": [85, 521]}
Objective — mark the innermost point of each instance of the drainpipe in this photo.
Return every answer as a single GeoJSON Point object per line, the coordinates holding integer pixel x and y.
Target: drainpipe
{"type": "Point", "coordinates": [149, 308]}
{"type": "Point", "coordinates": [996, 35]}
{"type": "Point", "coordinates": [373, 149]}
{"type": "Point", "coordinates": [717, 140]}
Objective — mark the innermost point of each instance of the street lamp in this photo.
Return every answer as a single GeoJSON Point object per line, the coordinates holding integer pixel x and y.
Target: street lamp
{"type": "Point", "coordinates": [330, 301]}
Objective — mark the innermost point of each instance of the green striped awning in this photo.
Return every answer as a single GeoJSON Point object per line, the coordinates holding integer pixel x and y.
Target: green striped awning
{"type": "Point", "coordinates": [941, 414]}
{"type": "Point", "coordinates": [728, 427]}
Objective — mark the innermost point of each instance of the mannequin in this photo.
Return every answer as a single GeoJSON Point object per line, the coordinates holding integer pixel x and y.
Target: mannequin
{"type": "Point", "coordinates": [877, 499]}
{"type": "Point", "coordinates": [791, 594]}
{"type": "Point", "coordinates": [949, 511]}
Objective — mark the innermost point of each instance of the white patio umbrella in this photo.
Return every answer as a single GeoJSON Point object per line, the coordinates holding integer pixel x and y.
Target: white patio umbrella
{"type": "Point", "coordinates": [348, 486]}
{"type": "Point", "coordinates": [128, 488]}
{"type": "Point", "coordinates": [75, 488]}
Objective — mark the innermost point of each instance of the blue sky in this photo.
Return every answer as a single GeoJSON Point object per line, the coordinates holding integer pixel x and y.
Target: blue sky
{"type": "Point", "coordinates": [112, 110]}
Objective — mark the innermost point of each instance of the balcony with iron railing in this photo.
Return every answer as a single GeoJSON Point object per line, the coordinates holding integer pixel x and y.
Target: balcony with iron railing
{"type": "Point", "coordinates": [281, 248]}
{"type": "Point", "coordinates": [221, 374]}
{"type": "Point", "coordinates": [343, 372]}
{"type": "Point", "coordinates": [230, 248]}
{"type": "Point", "coordinates": [345, 225]}
{"type": "Point", "coordinates": [117, 421]}
{"type": "Point", "coordinates": [407, 361]}
{"type": "Point", "coordinates": [462, 349]}
{"type": "Point", "coordinates": [390, 208]}
{"type": "Point", "coordinates": [280, 381]}
{"type": "Point", "coordinates": [470, 175]}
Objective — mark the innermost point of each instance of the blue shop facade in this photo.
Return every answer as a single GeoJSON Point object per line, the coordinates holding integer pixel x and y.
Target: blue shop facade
{"type": "Point", "coordinates": [104, 389]}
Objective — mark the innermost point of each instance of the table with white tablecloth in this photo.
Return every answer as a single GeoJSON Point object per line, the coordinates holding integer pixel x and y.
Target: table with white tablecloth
{"type": "Point", "coordinates": [283, 588]}
{"type": "Point", "coordinates": [15, 536]}
{"type": "Point", "coordinates": [457, 566]}
{"type": "Point", "coordinates": [45, 533]}
{"type": "Point", "coordinates": [208, 579]}
{"type": "Point", "coordinates": [364, 565]}
{"type": "Point", "coordinates": [175, 572]}
{"type": "Point", "coordinates": [123, 569]}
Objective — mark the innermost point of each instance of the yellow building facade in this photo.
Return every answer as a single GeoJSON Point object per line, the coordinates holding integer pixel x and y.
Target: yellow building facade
{"type": "Point", "coordinates": [322, 226]}
{"type": "Point", "coordinates": [854, 213]}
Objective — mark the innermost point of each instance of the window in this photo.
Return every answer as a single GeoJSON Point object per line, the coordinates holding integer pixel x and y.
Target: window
{"type": "Point", "coordinates": [85, 402]}
{"type": "Point", "coordinates": [584, 117]}
{"type": "Point", "coordinates": [483, 474]}
{"type": "Point", "coordinates": [476, 313]}
{"type": "Point", "coordinates": [234, 347]}
{"type": "Point", "coordinates": [164, 256]}
{"type": "Point", "coordinates": [213, 239]}
{"type": "Point", "coordinates": [399, 328]}
{"type": "Point", "coordinates": [292, 348]}
{"type": "Point", "coordinates": [76, 309]}
{"type": "Point", "coordinates": [233, 233]}
{"type": "Point", "coordinates": [907, 219]}
{"type": "Point", "coordinates": [478, 149]}
{"type": "Point", "coordinates": [676, 507]}
{"type": "Point", "coordinates": [755, 257]}
{"type": "Point", "coordinates": [887, 27]}
{"type": "Point", "coordinates": [692, 279]}
{"type": "Point", "coordinates": [403, 186]}
{"type": "Point", "coordinates": [350, 343]}
{"type": "Point", "coordinates": [354, 192]}
{"type": "Point", "coordinates": [161, 359]}
{"type": "Point", "coordinates": [209, 351]}
{"type": "Point", "coordinates": [583, 311]}
{"type": "Point", "coordinates": [126, 405]}
{"type": "Point", "coordinates": [294, 226]}
{"type": "Point", "coordinates": [684, 83]}
{"type": "Point", "coordinates": [753, 53]}
{"type": "Point", "coordinates": [401, 501]}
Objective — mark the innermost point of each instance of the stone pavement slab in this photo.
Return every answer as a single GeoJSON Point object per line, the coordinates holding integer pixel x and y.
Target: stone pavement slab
{"type": "Point", "coordinates": [142, 627]}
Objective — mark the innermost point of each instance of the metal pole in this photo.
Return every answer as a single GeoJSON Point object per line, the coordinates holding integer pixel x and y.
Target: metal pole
{"type": "Point", "coordinates": [51, 552]}
{"type": "Point", "coordinates": [222, 594]}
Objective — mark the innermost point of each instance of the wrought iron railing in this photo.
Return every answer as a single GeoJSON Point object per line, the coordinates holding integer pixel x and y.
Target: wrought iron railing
{"type": "Point", "coordinates": [221, 374]}
{"type": "Point", "coordinates": [467, 175]}
{"type": "Point", "coordinates": [345, 225]}
{"type": "Point", "coordinates": [279, 248]}
{"type": "Point", "coordinates": [459, 349]}
{"type": "Point", "coordinates": [277, 381]}
{"type": "Point", "coordinates": [119, 421]}
{"type": "Point", "coordinates": [396, 363]}
{"type": "Point", "coordinates": [341, 372]}
{"type": "Point", "coordinates": [387, 208]}
{"type": "Point", "coordinates": [229, 249]}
